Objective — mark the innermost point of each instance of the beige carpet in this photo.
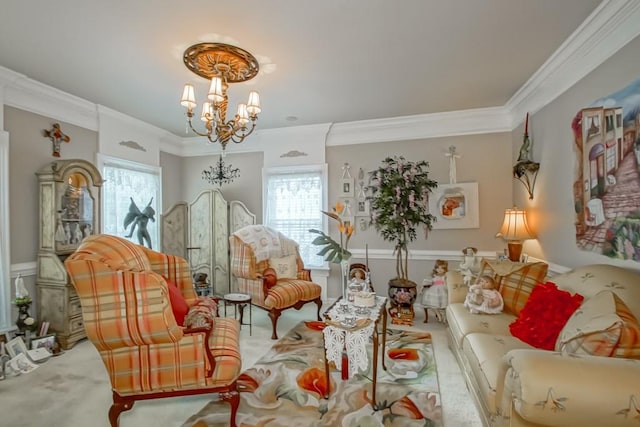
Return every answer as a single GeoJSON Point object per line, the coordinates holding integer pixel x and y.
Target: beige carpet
{"type": "Point", "coordinates": [73, 390]}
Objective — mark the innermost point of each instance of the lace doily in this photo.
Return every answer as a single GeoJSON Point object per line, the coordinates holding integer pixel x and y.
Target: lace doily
{"type": "Point", "coordinates": [354, 339]}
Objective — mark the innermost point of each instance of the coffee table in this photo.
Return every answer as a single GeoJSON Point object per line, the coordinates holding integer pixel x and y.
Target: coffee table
{"type": "Point", "coordinates": [351, 339]}
{"type": "Point", "coordinates": [239, 302]}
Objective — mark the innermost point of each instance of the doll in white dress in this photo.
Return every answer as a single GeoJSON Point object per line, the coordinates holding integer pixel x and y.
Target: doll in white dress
{"type": "Point", "coordinates": [435, 296]}
{"type": "Point", "coordinates": [484, 297]}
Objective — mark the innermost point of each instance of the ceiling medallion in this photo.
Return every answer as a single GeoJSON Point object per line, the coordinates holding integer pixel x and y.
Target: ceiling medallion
{"type": "Point", "coordinates": [222, 64]}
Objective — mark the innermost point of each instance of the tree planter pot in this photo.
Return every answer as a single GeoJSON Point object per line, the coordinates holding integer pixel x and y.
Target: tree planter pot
{"type": "Point", "coordinates": [402, 295]}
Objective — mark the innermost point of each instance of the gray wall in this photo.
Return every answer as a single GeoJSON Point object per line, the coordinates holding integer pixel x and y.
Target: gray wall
{"type": "Point", "coordinates": [29, 151]}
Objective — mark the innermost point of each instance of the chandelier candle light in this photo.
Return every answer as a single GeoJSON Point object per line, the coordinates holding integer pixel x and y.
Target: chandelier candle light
{"type": "Point", "coordinates": [222, 64]}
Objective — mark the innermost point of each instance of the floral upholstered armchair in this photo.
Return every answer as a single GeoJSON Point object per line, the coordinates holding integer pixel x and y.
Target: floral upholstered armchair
{"type": "Point", "coordinates": [267, 266]}
{"type": "Point", "coordinates": [134, 301]}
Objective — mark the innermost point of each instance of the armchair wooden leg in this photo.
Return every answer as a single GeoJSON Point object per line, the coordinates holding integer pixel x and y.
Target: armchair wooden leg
{"type": "Point", "coordinates": [318, 302]}
{"type": "Point", "coordinates": [233, 399]}
{"type": "Point", "coordinates": [120, 405]}
{"type": "Point", "coordinates": [274, 314]}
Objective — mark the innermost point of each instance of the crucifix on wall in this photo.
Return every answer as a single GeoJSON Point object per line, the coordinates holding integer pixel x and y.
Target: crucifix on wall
{"type": "Point", "coordinates": [57, 137]}
{"type": "Point", "coordinates": [452, 155]}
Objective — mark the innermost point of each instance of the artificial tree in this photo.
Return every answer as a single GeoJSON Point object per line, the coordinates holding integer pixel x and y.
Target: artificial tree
{"type": "Point", "coordinates": [399, 198]}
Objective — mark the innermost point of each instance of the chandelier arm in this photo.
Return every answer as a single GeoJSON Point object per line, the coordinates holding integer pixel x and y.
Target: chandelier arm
{"type": "Point", "coordinates": [243, 135]}
{"type": "Point", "coordinates": [207, 134]}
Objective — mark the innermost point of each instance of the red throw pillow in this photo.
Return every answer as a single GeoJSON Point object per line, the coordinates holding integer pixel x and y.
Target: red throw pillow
{"type": "Point", "coordinates": [178, 304]}
{"type": "Point", "coordinates": [270, 277]}
{"type": "Point", "coordinates": [544, 315]}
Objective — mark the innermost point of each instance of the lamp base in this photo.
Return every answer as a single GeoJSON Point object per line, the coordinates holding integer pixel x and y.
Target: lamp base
{"type": "Point", "coordinates": [515, 250]}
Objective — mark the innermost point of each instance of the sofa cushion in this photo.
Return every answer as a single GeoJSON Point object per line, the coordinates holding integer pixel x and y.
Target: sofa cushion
{"type": "Point", "coordinates": [285, 267]}
{"type": "Point", "coordinates": [545, 314]}
{"type": "Point", "coordinates": [461, 322]}
{"type": "Point", "coordinates": [516, 287]}
{"type": "Point", "coordinates": [602, 326]}
{"type": "Point", "coordinates": [484, 353]}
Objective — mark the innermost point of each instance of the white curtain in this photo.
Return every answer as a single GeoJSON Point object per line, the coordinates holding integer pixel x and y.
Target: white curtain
{"type": "Point", "coordinates": [293, 206]}
{"type": "Point", "coordinates": [125, 180]}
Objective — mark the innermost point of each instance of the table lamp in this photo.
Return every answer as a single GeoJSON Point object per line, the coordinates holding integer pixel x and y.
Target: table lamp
{"type": "Point", "coordinates": [514, 230]}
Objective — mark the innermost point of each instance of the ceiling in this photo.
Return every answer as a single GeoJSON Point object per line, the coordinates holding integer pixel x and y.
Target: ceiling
{"type": "Point", "coordinates": [329, 61]}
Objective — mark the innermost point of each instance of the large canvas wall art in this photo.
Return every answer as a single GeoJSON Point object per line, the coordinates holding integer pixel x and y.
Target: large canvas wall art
{"type": "Point", "coordinates": [606, 188]}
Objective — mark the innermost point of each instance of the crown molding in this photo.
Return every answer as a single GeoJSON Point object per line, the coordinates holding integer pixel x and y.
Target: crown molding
{"type": "Point", "coordinates": [30, 95]}
{"type": "Point", "coordinates": [464, 122]}
{"type": "Point", "coordinates": [612, 25]}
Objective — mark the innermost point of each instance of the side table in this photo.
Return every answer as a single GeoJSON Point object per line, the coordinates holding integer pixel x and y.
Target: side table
{"type": "Point", "coordinates": [239, 302]}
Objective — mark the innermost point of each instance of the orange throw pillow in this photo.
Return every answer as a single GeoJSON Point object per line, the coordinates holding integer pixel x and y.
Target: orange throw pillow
{"type": "Point", "coordinates": [269, 277]}
{"type": "Point", "coordinates": [178, 304]}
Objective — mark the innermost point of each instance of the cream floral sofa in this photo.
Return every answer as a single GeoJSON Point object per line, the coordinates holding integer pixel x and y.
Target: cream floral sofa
{"type": "Point", "coordinates": [515, 384]}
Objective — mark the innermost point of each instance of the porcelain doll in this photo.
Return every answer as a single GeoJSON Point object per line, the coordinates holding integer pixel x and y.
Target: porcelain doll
{"type": "Point", "coordinates": [435, 295]}
{"type": "Point", "coordinates": [484, 297]}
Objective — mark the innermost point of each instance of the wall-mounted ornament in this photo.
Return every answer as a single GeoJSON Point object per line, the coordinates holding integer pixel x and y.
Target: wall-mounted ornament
{"type": "Point", "coordinates": [57, 137]}
{"type": "Point", "coordinates": [453, 156]}
{"type": "Point", "coordinates": [526, 170]}
{"type": "Point", "coordinates": [294, 153]}
{"type": "Point", "coordinates": [133, 145]}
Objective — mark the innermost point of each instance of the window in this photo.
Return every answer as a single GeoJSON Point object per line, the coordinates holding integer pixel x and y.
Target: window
{"type": "Point", "coordinates": [129, 186]}
{"type": "Point", "coordinates": [294, 198]}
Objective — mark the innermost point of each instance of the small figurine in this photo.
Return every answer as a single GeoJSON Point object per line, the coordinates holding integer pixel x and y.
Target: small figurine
{"type": "Point", "coordinates": [77, 234]}
{"type": "Point", "coordinates": [435, 295]}
{"type": "Point", "coordinates": [483, 297]}
{"type": "Point", "coordinates": [22, 294]}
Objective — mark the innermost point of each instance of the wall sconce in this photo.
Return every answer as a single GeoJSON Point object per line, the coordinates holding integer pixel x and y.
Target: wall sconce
{"type": "Point", "coordinates": [514, 230]}
{"type": "Point", "coordinates": [526, 170]}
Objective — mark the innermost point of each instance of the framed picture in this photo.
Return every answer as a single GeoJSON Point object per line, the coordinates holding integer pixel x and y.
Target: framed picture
{"type": "Point", "coordinates": [346, 187]}
{"type": "Point", "coordinates": [15, 347]}
{"type": "Point", "coordinates": [349, 206]}
{"type": "Point", "coordinates": [455, 206]}
{"type": "Point", "coordinates": [363, 208]}
{"type": "Point", "coordinates": [47, 341]}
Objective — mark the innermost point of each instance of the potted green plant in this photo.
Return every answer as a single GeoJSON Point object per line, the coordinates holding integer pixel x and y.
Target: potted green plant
{"type": "Point", "coordinates": [398, 193]}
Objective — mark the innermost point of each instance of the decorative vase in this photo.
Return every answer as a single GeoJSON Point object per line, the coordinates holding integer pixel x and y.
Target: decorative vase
{"type": "Point", "coordinates": [344, 270]}
{"type": "Point", "coordinates": [23, 315]}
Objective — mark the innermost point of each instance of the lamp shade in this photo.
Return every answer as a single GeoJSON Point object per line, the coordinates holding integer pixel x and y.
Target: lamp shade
{"type": "Point", "coordinates": [188, 99]}
{"type": "Point", "coordinates": [515, 226]}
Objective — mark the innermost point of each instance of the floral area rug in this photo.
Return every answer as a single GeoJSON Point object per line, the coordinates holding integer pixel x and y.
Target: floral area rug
{"type": "Point", "coordinates": [286, 387]}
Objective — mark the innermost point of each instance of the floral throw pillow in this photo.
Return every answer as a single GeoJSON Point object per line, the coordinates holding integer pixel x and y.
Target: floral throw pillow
{"type": "Point", "coordinates": [202, 314]}
{"type": "Point", "coordinates": [285, 267]}
{"type": "Point", "coordinates": [544, 315]}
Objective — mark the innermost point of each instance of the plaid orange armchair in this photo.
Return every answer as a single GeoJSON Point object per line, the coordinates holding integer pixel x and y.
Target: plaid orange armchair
{"type": "Point", "coordinates": [128, 316]}
{"type": "Point", "coordinates": [267, 266]}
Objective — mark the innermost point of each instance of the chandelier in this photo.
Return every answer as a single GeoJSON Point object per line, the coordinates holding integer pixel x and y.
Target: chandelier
{"type": "Point", "coordinates": [221, 173]}
{"type": "Point", "coordinates": [222, 64]}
